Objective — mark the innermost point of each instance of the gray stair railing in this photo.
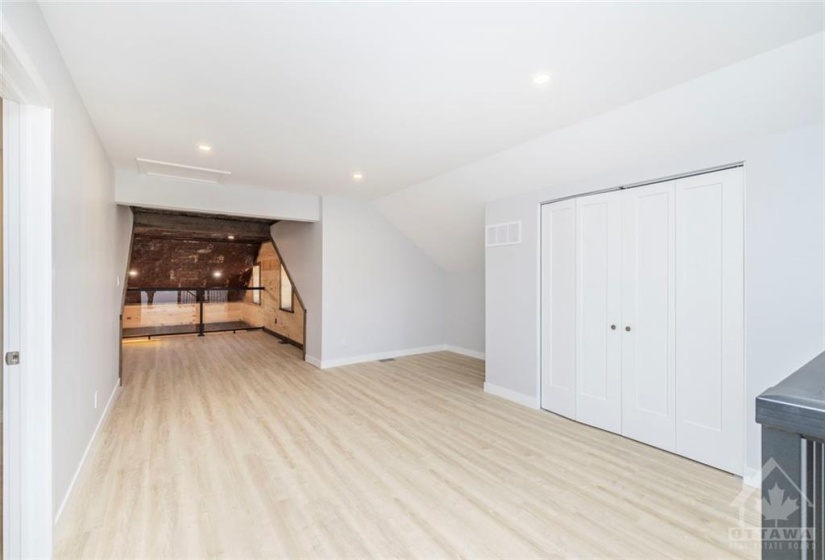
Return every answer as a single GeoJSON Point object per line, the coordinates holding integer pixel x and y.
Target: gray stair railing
{"type": "Point", "coordinates": [792, 415]}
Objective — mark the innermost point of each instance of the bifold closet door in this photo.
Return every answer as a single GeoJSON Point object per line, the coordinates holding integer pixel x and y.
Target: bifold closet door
{"type": "Point", "coordinates": [598, 317]}
{"type": "Point", "coordinates": [710, 319]}
{"type": "Point", "coordinates": [648, 309]}
{"type": "Point", "coordinates": [558, 307]}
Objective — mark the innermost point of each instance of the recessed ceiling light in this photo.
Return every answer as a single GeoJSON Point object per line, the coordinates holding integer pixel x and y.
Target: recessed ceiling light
{"type": "Point", "coordinates": [541, 79]}
{"type": "Point", "coordinates": [230, 237]}
{"type": "Point", "coordinates": [205, 147]}
{"type": "Point", "coordinates": [357, 176]}
{"type": "Point", "coordinates": [217, 274]}
{"type": "Point", "coordinates": [133, 273]}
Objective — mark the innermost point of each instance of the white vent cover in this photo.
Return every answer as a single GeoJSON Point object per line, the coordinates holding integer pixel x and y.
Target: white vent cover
{"type": "Point", "coordinates": [504, 234]}
{"type": "Point", "coordinates": [179, 171]}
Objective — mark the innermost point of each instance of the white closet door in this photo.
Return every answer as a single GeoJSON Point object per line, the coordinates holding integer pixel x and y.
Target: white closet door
{"type": "Point", "coordinates": [710, 319]}
{"type": "Point", "coordinates": [648, 310]}
{"type": "Point", "coordinates": [558, 307]}
{"type": "Point", "coordinates": [598, 349]}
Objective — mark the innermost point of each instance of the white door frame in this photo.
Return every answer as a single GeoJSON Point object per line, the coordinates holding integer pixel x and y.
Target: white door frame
{"type": "Point", "coordinates": [27, 190]}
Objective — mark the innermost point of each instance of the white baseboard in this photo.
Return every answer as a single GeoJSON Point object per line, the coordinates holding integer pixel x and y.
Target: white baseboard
{"type": "Point", "coordinates": [325, 364]}
{"type": "Point", "coordinates": [752, 477]}
{"type": "Point", "coordinates": [86, 452]}
{"type": "Point", "coordinates": [510, 395]}
{"type": "Point", "coordinates": [464, 352]}
{"type": "Point", "coordinates": [312, 360]}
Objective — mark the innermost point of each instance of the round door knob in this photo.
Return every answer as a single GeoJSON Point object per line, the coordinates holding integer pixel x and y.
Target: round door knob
{"type": "Point", "coordinates": [612, 327]}
{"type": "Point", "coordinates": [627, 329]}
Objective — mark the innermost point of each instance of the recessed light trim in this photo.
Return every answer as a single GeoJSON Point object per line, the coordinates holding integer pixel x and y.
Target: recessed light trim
{"type": "Point", "coordinates": [205, 147]}
{"type": "Point", "coordinates": [541, 78]}
{"type": "Point", "coordinates": [357, 176]}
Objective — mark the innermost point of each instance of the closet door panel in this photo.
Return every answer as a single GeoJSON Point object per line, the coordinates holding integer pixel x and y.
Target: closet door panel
{"type": "Point", "coordinates": [558, 308]}
{"type": "Point", "coordinates": [598, 352]}
{"type": "Point", "coordinates": [648, 309]}
{"type": "Point", "coordinates": [710, 319]}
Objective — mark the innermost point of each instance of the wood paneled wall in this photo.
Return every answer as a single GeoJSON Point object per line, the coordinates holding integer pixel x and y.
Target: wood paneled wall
{"type": "Point", "coordinates": [166, 314]}
{"type": "Point", "coordinates": [285, 323]}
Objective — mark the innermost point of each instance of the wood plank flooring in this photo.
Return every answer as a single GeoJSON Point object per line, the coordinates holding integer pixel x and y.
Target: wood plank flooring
{"type": "Point", "coordinates": [230, 446]}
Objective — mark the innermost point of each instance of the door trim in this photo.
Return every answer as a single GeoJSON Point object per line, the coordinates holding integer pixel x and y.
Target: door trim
{"type": "Point", "coordinates": [649, 182]}
{"type": "Point", "coordinates": [28, 511]}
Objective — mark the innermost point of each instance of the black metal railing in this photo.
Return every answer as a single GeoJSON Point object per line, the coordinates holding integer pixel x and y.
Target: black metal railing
{"type": "Point", "coordinates": [150, 312]}
{"type": "Point", "coordinates": [792, 415]}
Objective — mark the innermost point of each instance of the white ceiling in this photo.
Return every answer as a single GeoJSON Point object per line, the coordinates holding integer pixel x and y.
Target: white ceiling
{"type": "Point", "coordinates": [297, 97]}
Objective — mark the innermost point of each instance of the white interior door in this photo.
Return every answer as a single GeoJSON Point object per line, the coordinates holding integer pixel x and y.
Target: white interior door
{"type": "Point", "coordinates": [648, 315]}
{"type": "Point", "coordinates": [598, 317]}
{"type": "Point", "coordinates": [710, 319]}
{"type": "Point", "coordinates": [558, 307]}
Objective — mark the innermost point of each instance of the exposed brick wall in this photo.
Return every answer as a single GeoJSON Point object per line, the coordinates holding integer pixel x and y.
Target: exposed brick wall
{"type": "Point", "coordinates": [170, 263]}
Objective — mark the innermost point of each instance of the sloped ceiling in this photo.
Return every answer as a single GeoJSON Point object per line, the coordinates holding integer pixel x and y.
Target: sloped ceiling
{"type": "Point", "coordinates": [778, 90]}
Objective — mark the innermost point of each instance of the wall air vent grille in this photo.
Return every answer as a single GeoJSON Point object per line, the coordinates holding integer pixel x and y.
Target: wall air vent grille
{"type": "Point", "coordinates": [504, 234]}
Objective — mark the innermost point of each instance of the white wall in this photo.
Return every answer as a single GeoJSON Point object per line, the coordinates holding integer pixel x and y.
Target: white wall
{"type": "Point", "coordinates": [370, 293]}
{"type": "Point", "coordinates": [464, 312]}
{"type": "Point", "coordinates": [301, 246]}
{"type": "Point", "coordinates": [86, 257]}
{"type": "Point", "coordinates": [783, 262]}
{"type": "Point", "coordinates": [382, 295]}
{"type": "Point", "coordinates": [148, 191]}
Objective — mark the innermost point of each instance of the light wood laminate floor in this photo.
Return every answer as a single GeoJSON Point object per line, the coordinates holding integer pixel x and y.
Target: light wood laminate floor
{"type": "Point", "coordinates": [230, 446]}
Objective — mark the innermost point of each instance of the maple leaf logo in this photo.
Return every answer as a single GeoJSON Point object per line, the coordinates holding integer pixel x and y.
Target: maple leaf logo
{"type": "Point", "coordinates": [777, 507]}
